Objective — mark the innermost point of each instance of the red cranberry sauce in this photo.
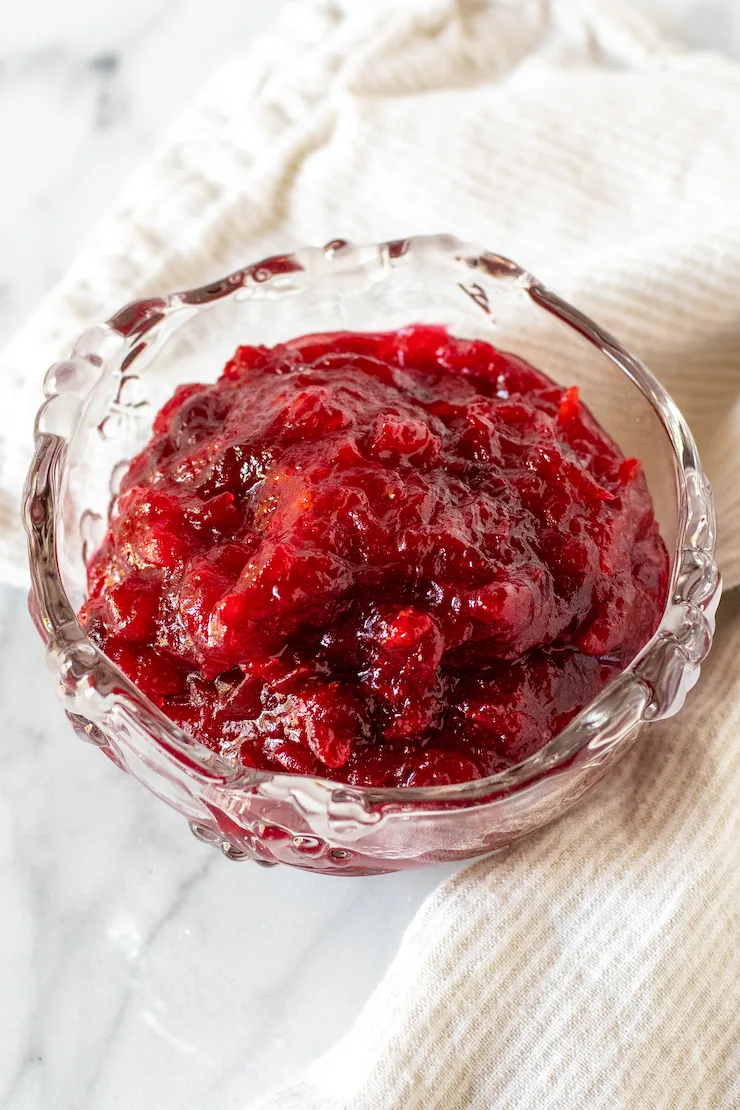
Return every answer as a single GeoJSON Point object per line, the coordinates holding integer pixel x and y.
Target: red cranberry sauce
{"type": "Point", "coordinates": [397, 559]}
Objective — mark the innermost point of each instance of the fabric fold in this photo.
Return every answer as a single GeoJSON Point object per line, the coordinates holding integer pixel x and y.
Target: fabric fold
{"type": "Point", "coordinates": [594, 964]}
{"type": "Point", "coordinates": [570, 136]}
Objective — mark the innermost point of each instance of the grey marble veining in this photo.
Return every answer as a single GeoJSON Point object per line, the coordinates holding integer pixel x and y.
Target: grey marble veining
{"type": "Point", "coordinates": [137, 967]}
{"type": "Point", "coordinates": [86, 90]}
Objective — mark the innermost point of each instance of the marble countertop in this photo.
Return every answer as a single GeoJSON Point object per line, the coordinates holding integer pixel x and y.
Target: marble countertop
{"type": "Point", "coordinates": [138, 968]}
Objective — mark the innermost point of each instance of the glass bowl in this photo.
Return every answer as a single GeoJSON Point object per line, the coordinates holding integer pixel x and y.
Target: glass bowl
{"type": "Point", "coordinates": [98, 413]}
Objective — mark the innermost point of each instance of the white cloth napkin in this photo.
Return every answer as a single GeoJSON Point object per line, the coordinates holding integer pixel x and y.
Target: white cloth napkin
{"type": "Point", "coordinates": [594, 967]}
{"type": "Point", "coordinates": [597, 965]}
{"type": "Point", "coordinates": [566, 134]}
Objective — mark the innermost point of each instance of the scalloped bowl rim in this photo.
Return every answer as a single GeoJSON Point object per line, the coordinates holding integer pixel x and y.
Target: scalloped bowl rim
{"type": "Point", "coordinates": [68, 644]}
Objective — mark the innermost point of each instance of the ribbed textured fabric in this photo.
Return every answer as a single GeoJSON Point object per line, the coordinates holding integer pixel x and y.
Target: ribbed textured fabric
{"type": "Point", "coordinates": [566, 134]}
{"type": "Point", "coordinates": [597, 965]}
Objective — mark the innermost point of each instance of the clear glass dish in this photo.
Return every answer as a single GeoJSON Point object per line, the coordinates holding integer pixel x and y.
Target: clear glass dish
{"type": "Point", "coordinates": [98, 413]}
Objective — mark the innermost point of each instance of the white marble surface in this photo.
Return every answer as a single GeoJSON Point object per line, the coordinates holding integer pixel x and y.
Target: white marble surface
{"type": "Point", "coordinates": [137, 967]}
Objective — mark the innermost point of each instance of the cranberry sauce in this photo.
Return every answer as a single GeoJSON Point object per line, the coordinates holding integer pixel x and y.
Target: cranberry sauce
{"type": "Point", "coordinates": [396, 559]}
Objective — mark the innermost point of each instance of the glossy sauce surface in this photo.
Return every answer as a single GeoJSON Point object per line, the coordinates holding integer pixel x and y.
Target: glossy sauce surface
{"type": "Point", "coordinates": [393, 559]}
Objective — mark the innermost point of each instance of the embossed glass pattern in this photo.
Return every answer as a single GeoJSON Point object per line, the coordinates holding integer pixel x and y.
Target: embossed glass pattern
{"type": "Point", "coordinates": [98, 413]}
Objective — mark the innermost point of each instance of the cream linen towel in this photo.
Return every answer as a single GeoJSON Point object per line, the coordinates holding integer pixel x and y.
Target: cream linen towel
{"type": "Point", "coordinates": [597, 965]}
{"type": "Point", "coordinates": [594, 967]}
{"type": "Point", "coordinates": [565, 134]}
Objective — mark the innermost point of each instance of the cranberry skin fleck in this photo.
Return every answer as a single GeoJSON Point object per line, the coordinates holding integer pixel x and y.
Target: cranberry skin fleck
{"type": "Point", "coordinates": [405, 649]}
{"type": "Point", "coordinates": [392, 559]}
{"type": "Point", "coordinates": [132, 605]}
{"type": "Point", "coordinates": [327, 718]}
{"type": "Point", "coordinates": [441, 767]}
